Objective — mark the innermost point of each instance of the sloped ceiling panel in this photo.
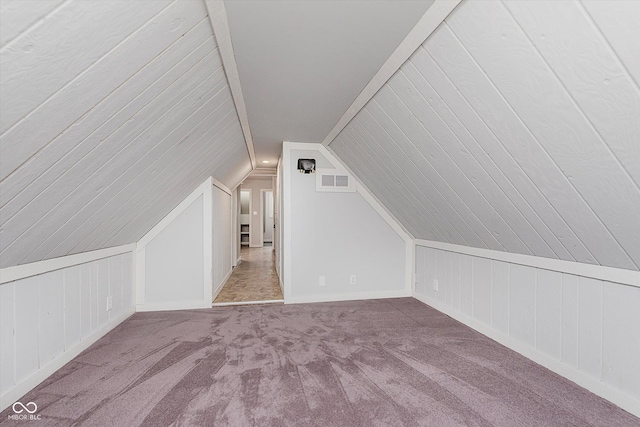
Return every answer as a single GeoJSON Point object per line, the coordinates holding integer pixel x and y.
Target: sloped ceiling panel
{"type": "Point", "coordinates": [514, 128]}
{"type": "Point", "coordinates": [112, 113]}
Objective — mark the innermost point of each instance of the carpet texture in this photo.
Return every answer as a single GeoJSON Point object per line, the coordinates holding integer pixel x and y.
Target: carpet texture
{"type": "Point", "coordinates": [394, 362]}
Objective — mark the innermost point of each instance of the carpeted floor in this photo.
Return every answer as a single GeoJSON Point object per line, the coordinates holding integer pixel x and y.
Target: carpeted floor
{"type": "Point", "coordinates": [382, 362]}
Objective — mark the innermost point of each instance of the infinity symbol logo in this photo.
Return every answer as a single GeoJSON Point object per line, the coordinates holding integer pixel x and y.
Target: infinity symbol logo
{"type": "Point", "coordinates": [25, 407]}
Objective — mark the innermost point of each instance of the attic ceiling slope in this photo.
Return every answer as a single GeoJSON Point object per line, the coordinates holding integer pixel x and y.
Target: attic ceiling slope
{"type": "Point", "coordinates": [112, 113]}
{"type": "Point", "coordinates": [513, 127]}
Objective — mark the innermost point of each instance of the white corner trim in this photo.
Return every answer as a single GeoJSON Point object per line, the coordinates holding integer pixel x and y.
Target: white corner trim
{"type": "Point", "coordinates": [218, 19]}
{"type": "Point", "coordinates": [157, 229]}
{"type": "Point", "coordinates": [17, 272]}
{"type": "Point", "coordinates": [173, 305]}
{"type": "Point", "coordinates": [22, 388]}
{"type": "Point", "coordinates": [221, 186]}
{"type": "Point", "coordinates": [610, 274]}
{"type": "Point", "coordinates": [432, 18]}
{"type": "Point", "coordinates": [592, 384]}
{"type": "Point", "coordinates": [352, 296]}
{"type": "Point", "coordinates": [207, 239]}
{"type": "Point", "coordinates": [285, 220]}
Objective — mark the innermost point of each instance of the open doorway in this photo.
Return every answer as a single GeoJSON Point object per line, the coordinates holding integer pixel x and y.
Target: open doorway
{"type": "Point", "coordinates": [245, 217]}
{"type": "Point", "coordinates": [266, 201]}
{"type": "Point", "coordinates": [254, 280]}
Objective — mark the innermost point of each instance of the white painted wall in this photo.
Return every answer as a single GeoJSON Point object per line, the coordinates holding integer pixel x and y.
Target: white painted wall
{"type": "Point", "coordinates": [174, 260]}
{"type": "Point", "coordinates": [583, 328]}
{"type": "Point", "coordinates": [255, 220]}
{"type": "Point", "coordinates": [48, 319]}
{"type": "Point", "coordinates": [336, 235]}
{"type": "Point", "coordinates": [222, 239]}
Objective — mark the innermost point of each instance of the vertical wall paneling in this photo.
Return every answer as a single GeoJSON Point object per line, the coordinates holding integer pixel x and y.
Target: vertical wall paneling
{"type": "Point", "coordinates": [26, 327]}
{"type": "Point", "coordinates": [466, 284]}
{"type": "Point", "coordinates": [51, 315]}
{"type": "Point", "coordinates": [583, 328]}
{"type": "Point", "coordinates": [549, 312]}
{"type": "Point", "coordinates": [569, 329]}
{"type": "Point", "coordinates": [7, 342]}
{"type": "Point", "coordinates": [49, 318]}
{"type": "Point", "coordinates": [590, 327]}
{"type": "Point", "coordinates": [482, 289]}
{"type": "Point", "coordinates": [455, 281]}
{"type": "Point", "coordinates": [73, 304]}
{"type": "Point", "coordinates": [621, 345]}
{"type": "Point", "coordinates": [500, 296]}
{"type": "Point", "coordinates": [522, 302]}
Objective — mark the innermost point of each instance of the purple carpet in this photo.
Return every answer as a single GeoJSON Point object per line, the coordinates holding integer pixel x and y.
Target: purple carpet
{"type": "Point", "coordinates": [394, 362]}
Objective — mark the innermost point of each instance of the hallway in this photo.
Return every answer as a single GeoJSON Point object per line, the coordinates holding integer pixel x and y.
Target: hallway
{"type": "Point", "coordinates": [253, 280]}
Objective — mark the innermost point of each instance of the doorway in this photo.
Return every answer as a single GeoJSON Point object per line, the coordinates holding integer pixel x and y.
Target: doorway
{"type": "Point", "coordinates": [266, 202]}
{"type": "Point", "coordinates": [245, 217]}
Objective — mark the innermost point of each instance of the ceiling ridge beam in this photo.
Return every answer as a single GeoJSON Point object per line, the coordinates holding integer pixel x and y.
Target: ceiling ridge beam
{"type": "Point", "coordinates": [220, 24]}
{"type": "Point", "coordinates": [432, 18]}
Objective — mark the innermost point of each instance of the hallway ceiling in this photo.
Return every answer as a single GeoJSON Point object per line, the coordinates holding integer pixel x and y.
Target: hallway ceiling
{"type": "Point", "coordinates": [302, 63]}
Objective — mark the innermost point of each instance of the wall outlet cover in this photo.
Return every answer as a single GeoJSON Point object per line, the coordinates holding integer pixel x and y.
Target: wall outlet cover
{"type": "Point", "coordinates": [435, 284]}
{"type": "Point", "coordinates": [109, 303]}
{"type": "Point", "coordinates": [322, 280]}
{"type": "Point", "coordinates": [352, 279]}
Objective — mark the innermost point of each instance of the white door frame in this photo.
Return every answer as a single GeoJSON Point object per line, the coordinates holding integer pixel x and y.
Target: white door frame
{"type": "Point", "coordinates": [263, 191]}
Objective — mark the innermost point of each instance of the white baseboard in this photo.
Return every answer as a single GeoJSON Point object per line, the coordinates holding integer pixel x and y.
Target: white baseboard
{"type": "Point", "coordinates": [353, 296]}
{"type": "Point", "coordinates": [173, 305]}
{"type": "Point", "coordinates": [19, 390]}
{"type": "Point", "coordinates": [618, 398]}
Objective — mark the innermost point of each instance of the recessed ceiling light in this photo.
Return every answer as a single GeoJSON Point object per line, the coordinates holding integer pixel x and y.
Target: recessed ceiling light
{"type": "Point", "coordinates": [265, 161]}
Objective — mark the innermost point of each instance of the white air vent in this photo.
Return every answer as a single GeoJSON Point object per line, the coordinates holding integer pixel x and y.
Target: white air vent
{"type": "Point", "coordinates": [334, 180]}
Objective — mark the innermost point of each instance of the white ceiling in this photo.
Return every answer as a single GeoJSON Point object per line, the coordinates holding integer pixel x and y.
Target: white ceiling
{"type": "Point", "coordinates": [302, 63]}
{"type": "Point", "coordinates": [514, 127]}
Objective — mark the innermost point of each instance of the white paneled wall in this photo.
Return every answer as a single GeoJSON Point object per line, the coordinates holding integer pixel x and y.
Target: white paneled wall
{"type": "Point", "coordinates": [222, 242]}
{"type": "Point", "coordinates": [580, 327]}
{"type": "Point", "coordinates": [514, 127]}
{"type": "Point", "coordinates": [46, 320]}
{"type": "Point", "coordinates": [104, 132]}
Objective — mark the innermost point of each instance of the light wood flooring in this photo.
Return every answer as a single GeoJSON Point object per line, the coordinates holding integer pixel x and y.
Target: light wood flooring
{"type": "Point", "coordinates": [254, 279]}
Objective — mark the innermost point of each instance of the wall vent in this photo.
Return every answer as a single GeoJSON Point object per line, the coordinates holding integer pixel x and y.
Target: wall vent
{"type": "Point", "coordinates": [334, 180]}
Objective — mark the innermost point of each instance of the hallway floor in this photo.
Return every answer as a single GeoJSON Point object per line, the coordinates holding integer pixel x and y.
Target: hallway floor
{"type": "Point", "coordinates": [255, 279]}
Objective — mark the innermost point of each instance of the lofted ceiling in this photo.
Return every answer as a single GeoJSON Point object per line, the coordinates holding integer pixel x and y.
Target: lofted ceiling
{"type": "Point", "coordinates": [112, 113]}
{"type": "Point", "coordinates": [514, 127]}
{"type": "Point", "coordinates": [302, 63]}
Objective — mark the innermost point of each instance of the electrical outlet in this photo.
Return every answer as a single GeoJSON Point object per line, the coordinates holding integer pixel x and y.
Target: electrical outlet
{"type": "Point", "coordinates": [435, 284]}
{"type": "Point", "coordinates": [352, 279]}
{"type": "Point", "coordinates": [109, 303]}
{"type": "Point", "coordinates": [322, 280]}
